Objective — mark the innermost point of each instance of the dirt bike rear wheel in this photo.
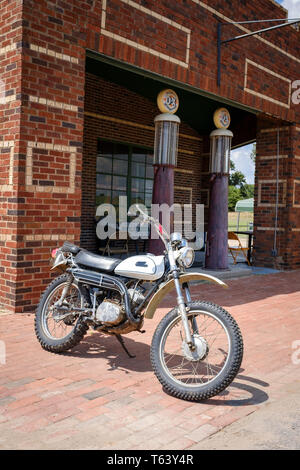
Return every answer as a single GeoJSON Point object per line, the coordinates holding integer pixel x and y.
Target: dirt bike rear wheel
{"type": "Point", "coordinates": [48, 324]}
{"type": "Point", "coordinates": [212, 366]}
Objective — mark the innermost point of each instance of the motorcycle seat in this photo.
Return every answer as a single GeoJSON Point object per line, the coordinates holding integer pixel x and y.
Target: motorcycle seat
{"type": "Point", "coordinates": [101, 263]}
{"type": "Point", "coordinates": [70, 248]}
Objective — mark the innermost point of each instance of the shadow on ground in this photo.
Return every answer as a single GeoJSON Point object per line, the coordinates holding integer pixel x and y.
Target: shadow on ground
{"type": "Point", "coordinates": [97, 346]}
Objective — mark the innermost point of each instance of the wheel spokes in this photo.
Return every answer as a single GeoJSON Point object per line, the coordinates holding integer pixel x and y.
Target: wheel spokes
{"type": "Point", "coordinates": [209, 333]}
{"type": "Point", "coordinates": [53, 326]}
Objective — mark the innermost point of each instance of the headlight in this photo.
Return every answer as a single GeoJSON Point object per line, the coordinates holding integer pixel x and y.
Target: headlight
{"type": "Point", "coordinates": [186, 256]}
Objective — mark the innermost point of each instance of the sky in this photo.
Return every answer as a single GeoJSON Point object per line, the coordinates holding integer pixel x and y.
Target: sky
{"type": "Point", "coordinates": [293, 7]}
{"type": "Point", "coordinates": [241, 159]}
{"type": "Point", "coordinates": [241, 156]}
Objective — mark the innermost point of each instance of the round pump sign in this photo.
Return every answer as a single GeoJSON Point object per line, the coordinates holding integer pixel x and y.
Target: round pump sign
{"type": "Point", "coordinates": [222, 118]}
{"type": "Point", "coordinates": [167, 101]}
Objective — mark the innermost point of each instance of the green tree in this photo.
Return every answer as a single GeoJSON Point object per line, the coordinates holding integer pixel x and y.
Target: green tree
{"type": "Point", "coordinates": [237, 178]}
{"type": "Point", "coordinates": [234, 195]}
{"type": "Point", "coordinates": [238, 187]}
{"type": "Point", "coordinates": [247, 191]}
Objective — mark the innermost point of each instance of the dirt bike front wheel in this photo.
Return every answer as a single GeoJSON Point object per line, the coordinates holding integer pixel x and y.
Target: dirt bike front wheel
{"type": "Point", "coordinates": [213, 364]}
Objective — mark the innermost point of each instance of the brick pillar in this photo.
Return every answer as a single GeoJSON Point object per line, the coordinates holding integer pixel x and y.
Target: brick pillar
{"type": "Point", "coordinates": [10, 101]}
{"type": "Point", "coordinates": [49, 186]}
{"type": "Point", "coordinates": [280, 250]}
{"type": "Point", "coordinates": [291, 256]}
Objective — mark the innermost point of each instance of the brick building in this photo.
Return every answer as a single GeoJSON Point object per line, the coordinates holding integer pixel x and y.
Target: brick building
{"type": "Point", "coordinates": [78, 82]}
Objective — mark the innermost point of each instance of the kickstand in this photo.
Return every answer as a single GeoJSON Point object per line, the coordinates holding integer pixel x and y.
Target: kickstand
{"type": "Point", "coordinates": [121, 341]}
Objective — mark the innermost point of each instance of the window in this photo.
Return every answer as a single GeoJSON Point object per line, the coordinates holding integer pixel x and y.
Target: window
{"type": "Point", "coordinates": [124, 170]}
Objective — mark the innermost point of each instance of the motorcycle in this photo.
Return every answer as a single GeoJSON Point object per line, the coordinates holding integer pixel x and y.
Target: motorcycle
{"type": "Point", "coordinates": [196, 349]}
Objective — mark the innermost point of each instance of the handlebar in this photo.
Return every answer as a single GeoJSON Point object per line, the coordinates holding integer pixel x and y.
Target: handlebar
{"type": "Point", "coordinates": [163, 234]}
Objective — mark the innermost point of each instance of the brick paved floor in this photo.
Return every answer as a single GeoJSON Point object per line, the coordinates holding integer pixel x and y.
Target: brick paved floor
{"type": "Point", "coordinates": [94, 397]}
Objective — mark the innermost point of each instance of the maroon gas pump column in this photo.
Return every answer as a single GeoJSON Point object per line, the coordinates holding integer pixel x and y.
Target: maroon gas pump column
{"type": "Point", "coordinates": [216, 257]}
{"type": "Point", "coordinates": [165, 160]}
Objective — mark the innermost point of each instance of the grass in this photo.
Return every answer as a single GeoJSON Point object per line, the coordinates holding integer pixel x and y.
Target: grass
{"type": "Point", "coordinates": [245, 219]}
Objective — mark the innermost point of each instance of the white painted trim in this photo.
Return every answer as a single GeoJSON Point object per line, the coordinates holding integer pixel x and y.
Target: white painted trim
{"type": "Point", "coordinates": [294, 193]}
{"type": "Point", "coordinates": [262, 95]}
{"type": "Point", "coordinates": [54, 237]}
{"type": "Point", "coordinates": [8, 48]}
{"type": "Point", "coordinates": [271, 157]}
{"type": "Point", "coordinates": [29, 165]}
{"type": "Point", "coordinates": [186, 188]}
{"type": "Point", "coordinates": [278, 229]}
{"type": "Point", "coordinates": [53, 104]}
{"type": "Point", "coordinates": [5, 237]}
{"type": "Point", "coordinates": [140, 47]}
{"type": "Point", "coordinates": [267, 204]}
{"type": "Point", "coordinates": [52, 53]}
{"type": "Point", "coordinates": [7, 99]}
{"type": "Point", "coordinates": [274, 129]}
{"type": "Point", "coordinates": [11, 145]}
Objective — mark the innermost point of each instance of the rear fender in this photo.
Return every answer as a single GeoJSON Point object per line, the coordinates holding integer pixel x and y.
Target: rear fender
{"type": "Point", "coordinates": [170, 285]}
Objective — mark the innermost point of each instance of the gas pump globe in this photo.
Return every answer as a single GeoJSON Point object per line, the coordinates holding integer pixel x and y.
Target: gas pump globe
{"type": "Point", "coordinates": [166, 139]}
{"type": "Point", "coordinates": [165, 159]}
{"type": "Point", "coordinates": [220, 146]}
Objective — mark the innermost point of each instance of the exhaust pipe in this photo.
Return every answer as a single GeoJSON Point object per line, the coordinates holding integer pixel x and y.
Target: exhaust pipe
{"type": "Point", "coordinates": [106, 282]}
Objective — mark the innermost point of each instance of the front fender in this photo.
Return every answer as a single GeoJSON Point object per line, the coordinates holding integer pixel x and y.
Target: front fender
{"type": "Point", "coordinates": [170, 285]}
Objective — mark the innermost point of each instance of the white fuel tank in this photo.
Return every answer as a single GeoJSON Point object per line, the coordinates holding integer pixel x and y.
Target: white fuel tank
{"type": "Point", "coordinates": [148, 267]}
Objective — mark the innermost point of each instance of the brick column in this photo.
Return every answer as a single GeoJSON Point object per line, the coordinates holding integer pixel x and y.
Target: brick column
{"type": "Point", "coordinates": [280, 249]}
{"type": "Point", "coordinates": [49, 186]}
{"type": "Point", "coordinates": [10, 96]}
{"type": "Point", "coordinates": [291, 255]}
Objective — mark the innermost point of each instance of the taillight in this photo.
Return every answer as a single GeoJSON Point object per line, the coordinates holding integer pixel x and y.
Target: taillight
{"type": "Point", "coordinates": [53, 252]}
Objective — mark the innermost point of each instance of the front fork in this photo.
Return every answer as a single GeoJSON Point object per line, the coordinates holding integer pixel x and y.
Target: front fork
{"type": "Point", "coordinates": [180, 299]}
{"type": "Point", "coordinates": [183, 309]}
{"type": "Point", "coordinates": [188, 301]}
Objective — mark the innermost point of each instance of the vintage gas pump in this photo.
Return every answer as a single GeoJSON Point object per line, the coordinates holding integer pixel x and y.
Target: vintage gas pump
{"type": "Point", "coordinates": [217, 233]}
{"type": "Point", "coordinates": [165, 157]}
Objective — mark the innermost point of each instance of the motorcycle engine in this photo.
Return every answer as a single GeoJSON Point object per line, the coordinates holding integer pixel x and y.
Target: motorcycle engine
{"type": "Point", "coordinates": [110, 312]}
{"type": "Point", "coordinates": [136, 296]}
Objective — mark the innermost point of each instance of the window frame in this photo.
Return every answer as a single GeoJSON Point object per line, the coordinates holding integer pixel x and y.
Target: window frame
{"type": "Point", "coordinates": [130, 146]}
